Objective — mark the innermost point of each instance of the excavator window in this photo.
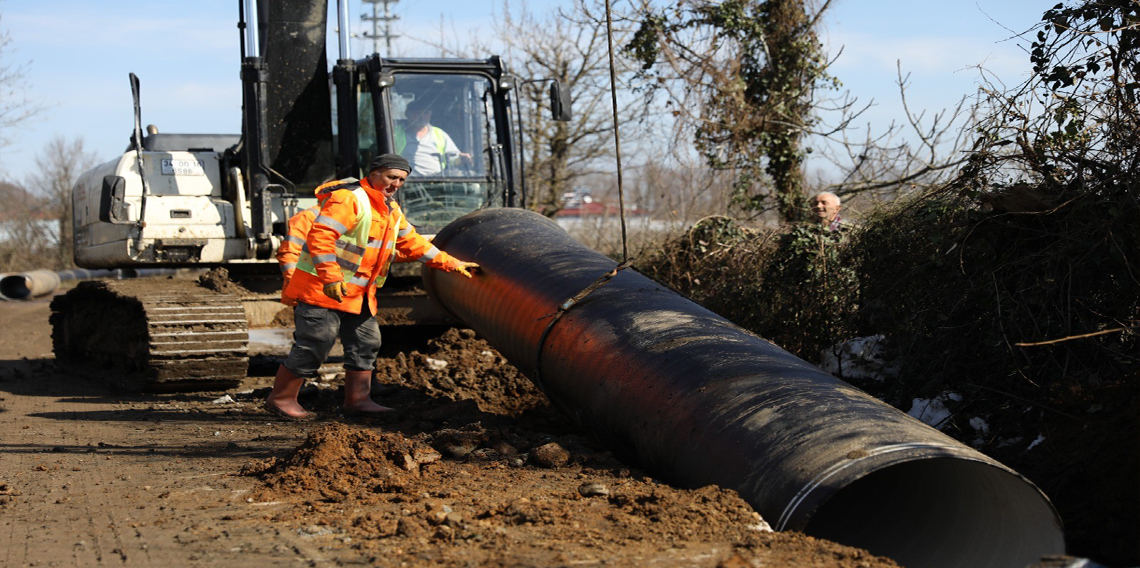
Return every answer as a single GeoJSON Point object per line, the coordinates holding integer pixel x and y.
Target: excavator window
{"type": "Point", "coordinates": [444, 124]}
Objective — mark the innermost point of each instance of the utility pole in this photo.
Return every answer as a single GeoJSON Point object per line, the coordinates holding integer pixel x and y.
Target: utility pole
{"type": "Point", "coordinates": [376, 18]}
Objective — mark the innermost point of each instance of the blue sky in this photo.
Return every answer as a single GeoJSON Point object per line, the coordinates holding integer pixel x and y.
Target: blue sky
{"type": "Point", "coordinates": [79, 54]}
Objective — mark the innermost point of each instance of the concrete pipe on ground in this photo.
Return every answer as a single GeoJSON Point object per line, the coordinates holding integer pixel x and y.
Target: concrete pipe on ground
{"type": "Point", "coordinates": [36, 283]}
{"type": "Point", "coordinates": [29, 284]}
{"type": "Point", "coordinates": [696, 400]}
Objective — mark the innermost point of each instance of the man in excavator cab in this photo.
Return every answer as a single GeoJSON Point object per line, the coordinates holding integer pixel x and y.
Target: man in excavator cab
{"type": "Point", "coordinates": [356, 233]}
{"type": "Point", "coordinates": [429, 149]}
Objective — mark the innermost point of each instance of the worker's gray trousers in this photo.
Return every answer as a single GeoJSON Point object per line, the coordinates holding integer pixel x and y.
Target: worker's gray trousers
{"type": "Point", "coordinates": [317, 330]}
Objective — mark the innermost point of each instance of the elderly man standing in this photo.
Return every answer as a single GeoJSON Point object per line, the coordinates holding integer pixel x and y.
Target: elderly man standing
{"type": "Point", "coordinates": [345, 259]}
{"type": "Point", "coordinates": [825, 206]}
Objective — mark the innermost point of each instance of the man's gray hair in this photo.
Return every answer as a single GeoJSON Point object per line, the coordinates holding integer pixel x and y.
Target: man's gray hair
{"type": "Point", "coordinates": [838, 201]}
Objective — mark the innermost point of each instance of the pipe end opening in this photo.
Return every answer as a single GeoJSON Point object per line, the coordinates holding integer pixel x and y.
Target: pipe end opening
{"type": "Point", "coordinates": [943, 512]}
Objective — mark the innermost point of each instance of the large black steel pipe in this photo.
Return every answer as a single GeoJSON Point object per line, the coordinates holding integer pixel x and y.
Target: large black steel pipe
{"type": "Point", "coordinates": [696, 401]}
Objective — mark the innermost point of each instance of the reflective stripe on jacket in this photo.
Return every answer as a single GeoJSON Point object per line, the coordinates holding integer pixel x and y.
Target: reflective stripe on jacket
{"type": "Point", "coordinates": [290, 248]}
{"type": "Point", "coordinates": [341, 246]}
{"type": "Point", "coordinates": [350, 245]}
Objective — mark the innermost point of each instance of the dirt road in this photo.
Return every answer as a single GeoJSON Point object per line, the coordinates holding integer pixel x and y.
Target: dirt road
{"type": "Point", "coordinates": [475, 470]}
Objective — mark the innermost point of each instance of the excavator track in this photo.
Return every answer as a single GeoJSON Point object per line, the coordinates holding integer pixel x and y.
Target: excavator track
{"type": "Point", "coordinates": [168, 334]}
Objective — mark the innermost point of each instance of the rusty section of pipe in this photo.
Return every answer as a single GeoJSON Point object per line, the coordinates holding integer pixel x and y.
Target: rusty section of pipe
{"type": "Point", "coordinates": [696, 400]}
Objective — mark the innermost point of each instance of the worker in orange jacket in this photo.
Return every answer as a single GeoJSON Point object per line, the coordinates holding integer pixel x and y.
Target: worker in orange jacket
{"type": "Point", "coordinates": [345, 258]}
{"type": "Point", "coordinates": [298, 228]}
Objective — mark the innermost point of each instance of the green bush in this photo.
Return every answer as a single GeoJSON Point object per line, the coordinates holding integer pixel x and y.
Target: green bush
{"type": "Point", "coordinates": [790, 286]}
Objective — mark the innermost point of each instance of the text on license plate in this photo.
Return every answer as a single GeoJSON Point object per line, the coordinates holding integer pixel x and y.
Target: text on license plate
{"type": "Point", "coordinates": [172, 167]}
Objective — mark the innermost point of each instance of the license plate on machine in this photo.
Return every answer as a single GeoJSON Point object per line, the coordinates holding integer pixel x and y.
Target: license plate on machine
{"type": "Point", "coordinates": [172, 167]}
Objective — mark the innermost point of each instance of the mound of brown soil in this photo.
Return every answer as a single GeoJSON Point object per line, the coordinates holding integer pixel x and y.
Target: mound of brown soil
{"type": "Point", "coordinates": [460, 366]}
{"type": "Point", "coordinates": [218, 280]}
{"type": "Point", "coordinates": [477, 469]}
{"type": "Point", "coordinates": [395, 499]}
{"type": "Point", "coordinates": [337, 461]}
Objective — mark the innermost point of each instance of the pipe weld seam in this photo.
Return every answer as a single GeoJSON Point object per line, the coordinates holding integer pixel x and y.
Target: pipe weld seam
{"type": "Point", "coordinates": [814, 484]}
{"type": "Point", "coordinates": [563, 308]}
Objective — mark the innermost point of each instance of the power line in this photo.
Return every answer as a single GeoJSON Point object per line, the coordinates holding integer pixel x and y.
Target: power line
{"type": "Point", "coordinates": [376, 19]}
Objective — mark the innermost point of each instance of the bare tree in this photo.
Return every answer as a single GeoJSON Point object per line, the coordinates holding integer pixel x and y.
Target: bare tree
{"type": "Point", "coordinates": [15, 106]}
{"type": "Point", "coordinates": [571, 46]}
{"type": "Point", "coordinates": [58, 167]}
{"type": "Point", "coordinates": [923, 151]}
{"type": "Point", "coordinates": [25, 233]}
{"type": "Point", "coordinates": [742, 76]}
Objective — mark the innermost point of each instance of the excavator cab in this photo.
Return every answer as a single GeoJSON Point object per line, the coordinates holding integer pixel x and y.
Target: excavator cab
{"type": "Point", "coordinates": [452, 120]}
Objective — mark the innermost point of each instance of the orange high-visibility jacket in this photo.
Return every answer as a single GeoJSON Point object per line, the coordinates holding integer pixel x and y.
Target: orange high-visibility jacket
{"type": "Point", "coordinates": [290, 248]}
{"type": "Point", "coordinates": [390, 233]}
{"type": "Point", "coordinates": [299, 225]}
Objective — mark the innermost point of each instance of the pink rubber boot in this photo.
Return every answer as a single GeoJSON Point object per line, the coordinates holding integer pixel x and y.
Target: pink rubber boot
{"type": "Point", "coordinates": [357, 388]}
{"type": "Point", "coordinates": [282, 399]}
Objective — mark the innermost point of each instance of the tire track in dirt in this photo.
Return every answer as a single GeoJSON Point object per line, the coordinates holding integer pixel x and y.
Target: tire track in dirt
{"type": "Point", "coordinates": [89, 489]}
{"type": "Point", "coordinates": [95, 477]}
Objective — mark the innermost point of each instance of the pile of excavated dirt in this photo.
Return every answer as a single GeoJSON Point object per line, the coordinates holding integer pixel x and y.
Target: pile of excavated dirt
{"type": "Point", "coordinates": [460, 366]}
{"type": "Point", "coordinates": [218, 280]}
{"type": "Point", "coordinates": [396, 499]}
{"type": "Point", "coordinates": [337, 462]}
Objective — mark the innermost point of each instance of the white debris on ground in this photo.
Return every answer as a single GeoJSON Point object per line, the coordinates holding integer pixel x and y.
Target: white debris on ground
{"type": "Point", "coordinates": [979, 424]}
{"type": "Point", "coordinates": [435, 364]}
{"type": "Point", "coordinates": [982, 428]}
{"type": "Point", "coordinates": [933, 411]}
{"type": "Point", "coordinates": [227, 399]}
{"type": "Point", "coordinates": [859, 358]}
{"type": "Point", "coordinates": [761, 525]}
{"type": "Point", "coordinates": [1033, 444]}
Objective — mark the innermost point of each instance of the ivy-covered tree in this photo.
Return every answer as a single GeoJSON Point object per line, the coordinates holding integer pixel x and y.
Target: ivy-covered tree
{"type": "Point", "coordinates": [742, 75]}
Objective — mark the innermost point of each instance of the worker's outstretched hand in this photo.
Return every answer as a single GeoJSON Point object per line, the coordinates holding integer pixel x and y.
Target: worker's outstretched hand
{"type": "Point", "coordinates": [336, 290]}
{"type": "Point", "coordinates": [467, 269]}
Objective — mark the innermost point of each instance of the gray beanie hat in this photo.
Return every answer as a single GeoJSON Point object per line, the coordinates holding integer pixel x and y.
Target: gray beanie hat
{"type": "Point", "coordinates": [389, 162]}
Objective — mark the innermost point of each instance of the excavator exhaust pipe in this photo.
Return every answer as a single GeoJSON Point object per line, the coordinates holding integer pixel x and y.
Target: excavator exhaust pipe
{"type": "Point", "coordinates": [696, 400]}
